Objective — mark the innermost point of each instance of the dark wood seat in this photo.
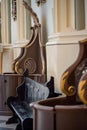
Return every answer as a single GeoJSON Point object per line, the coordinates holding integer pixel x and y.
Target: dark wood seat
{"type": "Point", "coordinates": [28, 92]}
{"type": "Point", "coordinates": [69, 112]}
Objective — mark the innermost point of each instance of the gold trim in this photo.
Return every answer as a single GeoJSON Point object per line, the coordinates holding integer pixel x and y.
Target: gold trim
{"type": "Point", "coordinates": [68, 90]}
{"type": "Point", "coordinates": [82, 91]}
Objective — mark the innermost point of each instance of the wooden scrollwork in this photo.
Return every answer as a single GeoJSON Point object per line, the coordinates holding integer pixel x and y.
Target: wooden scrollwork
{"type": "Point", "coordinates": [31, 56]}
{"type": "Point", "coordinates": [82, 88]}
{"type": "Point", "coordinates": [33, 14]}
{"type": "Point", "coordinates": [71, 77]}
{"type": "Point", "coordinates": [69, 90]}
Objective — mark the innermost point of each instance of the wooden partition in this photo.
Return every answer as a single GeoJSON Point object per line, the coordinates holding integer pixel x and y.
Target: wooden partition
{"type": "Point", "coordinates": [0, 62]}
{"type": "Point", "coordinates": [8, 85]}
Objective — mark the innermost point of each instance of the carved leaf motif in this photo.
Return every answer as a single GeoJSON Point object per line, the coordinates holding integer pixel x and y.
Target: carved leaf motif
{"type": "Point", "coordinates": [65, 87]}
{"type": "Point", "coordinates": [82, 89]}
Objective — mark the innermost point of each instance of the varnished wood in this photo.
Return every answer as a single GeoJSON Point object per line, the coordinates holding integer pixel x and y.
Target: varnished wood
{"type": "Point", "coordinates": [31, 56]}
{"type": "Point", "coordinates": [72, 76]}
{"type": "Point", "coordinates": [0, 62]}
{"type": "Point", "coordinates": [8, 84]}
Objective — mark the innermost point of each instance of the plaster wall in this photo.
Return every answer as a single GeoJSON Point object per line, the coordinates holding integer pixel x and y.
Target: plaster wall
{"type": "Point", "coordinates": [59, 58]}
{"type": "Point", "coordinates": [46, 18]}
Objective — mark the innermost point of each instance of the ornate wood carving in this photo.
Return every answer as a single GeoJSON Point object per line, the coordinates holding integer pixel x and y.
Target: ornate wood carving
{"type": "Point", "coordinates": [31, 56]}
{"type": "Point", "coordinates": [82, 89]}
{"type": "Point", "coordinates": [70, 79]}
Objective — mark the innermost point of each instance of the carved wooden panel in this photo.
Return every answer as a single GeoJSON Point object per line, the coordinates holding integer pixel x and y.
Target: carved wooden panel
{"type": "Point", "coordinates": [8, 84]}
{"type": "Point", "coordinates": [31, 56]}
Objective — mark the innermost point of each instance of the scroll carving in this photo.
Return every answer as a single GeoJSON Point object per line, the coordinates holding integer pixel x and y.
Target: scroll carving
{"type": "Point", "coordinates": [69, 90]}
{"type": "Point", "coordinates": [71, 77]}
{"type": "Point", "coordinates": [31, 56]}
{"type": "Point", "coordinates": [33, 14]}
{"type": "Point", "coordinates": [82, 88]}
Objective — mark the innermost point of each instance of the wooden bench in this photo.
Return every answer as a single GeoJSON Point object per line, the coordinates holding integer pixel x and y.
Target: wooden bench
{"type": "Point", "coordinates": [28, 92]}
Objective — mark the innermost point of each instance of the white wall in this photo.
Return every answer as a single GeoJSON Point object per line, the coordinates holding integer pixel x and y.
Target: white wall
{"type": "Point", "coordinates": [59, 58]}
{"type": "Point", "coordinates": [45, 15]}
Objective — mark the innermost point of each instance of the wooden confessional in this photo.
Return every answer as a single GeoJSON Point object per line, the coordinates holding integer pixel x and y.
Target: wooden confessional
{"type": "Point", "coordinates": [31, 58]}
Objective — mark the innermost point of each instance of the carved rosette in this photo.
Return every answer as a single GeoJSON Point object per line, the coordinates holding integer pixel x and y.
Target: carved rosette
{"type": "Point", "coordinates": [30, 64]}
{"type": "Point", "coordinates": [67, 89]}
{"type": "Point", "coordinates": [82, 89]}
